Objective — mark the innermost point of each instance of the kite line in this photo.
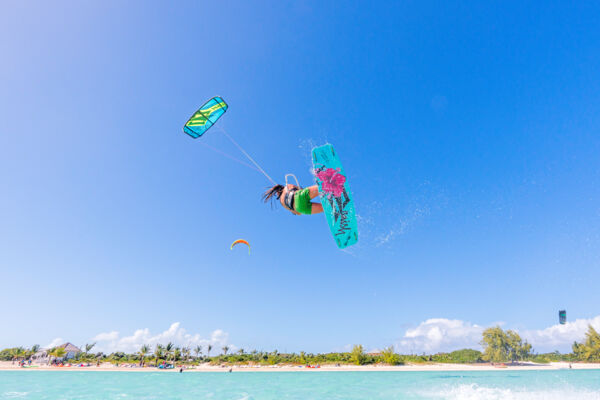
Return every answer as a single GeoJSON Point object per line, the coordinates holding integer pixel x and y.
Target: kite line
{"type": "Point", "coordinates": [205, 117]}
{"type": "Point", "coordinates": [237, 160]}
{"type": "Point", "coordinates": [240, 148]}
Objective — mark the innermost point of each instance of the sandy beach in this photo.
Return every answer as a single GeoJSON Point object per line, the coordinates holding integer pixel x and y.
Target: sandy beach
{"type": "Point", "coordinates": [7, 365]}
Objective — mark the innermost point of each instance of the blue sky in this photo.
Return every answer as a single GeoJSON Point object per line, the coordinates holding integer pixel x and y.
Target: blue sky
{"type": "Point", "coordinates": [469, 132]}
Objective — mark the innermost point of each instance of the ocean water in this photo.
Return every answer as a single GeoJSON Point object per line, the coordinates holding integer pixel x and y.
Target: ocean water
{"type": "Point", "coordinates": [318, 385]}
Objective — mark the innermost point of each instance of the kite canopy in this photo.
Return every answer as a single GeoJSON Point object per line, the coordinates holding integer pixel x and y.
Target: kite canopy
{"type": "Point", "coordinates": [562, 317]}
{"type": "Point", "coordinates": [241, 241]}
{"type": "Point", "coordinates": [205, 117]}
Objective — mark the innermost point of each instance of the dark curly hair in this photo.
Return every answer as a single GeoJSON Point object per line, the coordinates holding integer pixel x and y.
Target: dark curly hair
{"type": "Point", "coordinates": [276, 190]}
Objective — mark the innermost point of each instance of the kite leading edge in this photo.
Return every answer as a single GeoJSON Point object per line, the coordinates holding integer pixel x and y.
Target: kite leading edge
{"type": "Point", "coordinates": [240, 241]}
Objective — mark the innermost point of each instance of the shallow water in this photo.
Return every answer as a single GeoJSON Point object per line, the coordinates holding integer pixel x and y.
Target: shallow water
{"type": "Point", "coordinates": [489, 385]}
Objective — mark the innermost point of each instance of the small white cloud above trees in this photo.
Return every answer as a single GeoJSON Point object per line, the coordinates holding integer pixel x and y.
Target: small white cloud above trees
{"type": "Point", "coordinates": [112, 341]}
{"type": "Point", "coordinates": [440, 335]}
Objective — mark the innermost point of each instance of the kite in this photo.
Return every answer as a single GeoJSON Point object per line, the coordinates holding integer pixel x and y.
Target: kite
{"type": "Point", "coordinates": [241, 241]}
{"type": "Point", "coordinates": [205, 117]}
{"type": "Point", "coordinates": [562, 317]}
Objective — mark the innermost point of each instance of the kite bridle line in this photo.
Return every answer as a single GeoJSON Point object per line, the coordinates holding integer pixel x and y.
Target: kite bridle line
{"type": "Point", "coordinates": [247, 156]}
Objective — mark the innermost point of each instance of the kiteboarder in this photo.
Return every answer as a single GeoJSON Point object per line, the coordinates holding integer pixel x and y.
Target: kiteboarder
{"type": "Point", "coordinates": [295, 199]}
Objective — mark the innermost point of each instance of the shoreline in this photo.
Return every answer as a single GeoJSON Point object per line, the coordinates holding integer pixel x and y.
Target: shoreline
{"type": "Point", "coordinates": [553, 366]}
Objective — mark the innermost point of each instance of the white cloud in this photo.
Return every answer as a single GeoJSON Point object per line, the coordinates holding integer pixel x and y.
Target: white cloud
{"type": "Point", "coordinates": [106, 337]}
{"type": "Point", "coordinates": [112, 341]}
{"type": "Point", "coordinates": [444, 335]}
{"type": "Point", "coordinates": [560, 337]}
{"type": "Point", "coordinates": [440, 335]}
{"type": "Point", "coordinates": [56, 342]}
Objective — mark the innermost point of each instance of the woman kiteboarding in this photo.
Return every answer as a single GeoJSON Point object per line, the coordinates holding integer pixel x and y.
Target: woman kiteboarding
{"type": "Point", "coordinates": [294, 198]}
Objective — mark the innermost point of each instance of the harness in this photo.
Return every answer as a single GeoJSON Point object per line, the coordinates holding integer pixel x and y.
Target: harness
{"type": "Point", "coordinates": [289, 196]}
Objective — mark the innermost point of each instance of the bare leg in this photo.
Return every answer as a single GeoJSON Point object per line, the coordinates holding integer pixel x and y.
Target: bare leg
{"type": "Point", "coordinates": [314, 191]}
{"type": "Point", "coordinates": [316, 208]}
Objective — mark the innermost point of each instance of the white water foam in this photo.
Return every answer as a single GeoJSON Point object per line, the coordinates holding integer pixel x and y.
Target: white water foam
{"type": "Point", "coordinates": [14, 395]}
{"type": "Point", "coordinates": [476, 392]}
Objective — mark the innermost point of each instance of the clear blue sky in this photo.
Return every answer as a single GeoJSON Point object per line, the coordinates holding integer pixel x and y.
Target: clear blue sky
{"type": "Point", "coordinates": [469, 131]}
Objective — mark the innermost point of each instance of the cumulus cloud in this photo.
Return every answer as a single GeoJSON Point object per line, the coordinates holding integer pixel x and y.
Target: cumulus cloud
{"type": "Point", "coordinates": [444, 335]}
{"type": "Point", "coordinates": [440, 335]}
{"type": "Point", "coordinates": [109, 342]}
{"type": "Point", "coordinates": [560, 337]}
{"type": "Point", "coordinates": [56, 342]}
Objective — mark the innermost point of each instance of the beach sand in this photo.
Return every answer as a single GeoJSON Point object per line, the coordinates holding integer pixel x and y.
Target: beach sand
{"type": "Point", "coordinates": [7, 365]}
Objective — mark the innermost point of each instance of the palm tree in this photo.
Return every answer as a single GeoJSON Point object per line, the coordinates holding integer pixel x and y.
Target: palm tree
{"type": "Point", "coordinates": [241, 352]}
{"type": "Point", "coordinates": [209, 348]}
{"type": "Point", "coordinates": [145, 349]}
{"type": "Point", "coordinates": [158, 353]}
{"type": "Point", "coordinates": [57, 352]}
{"type": "Point", "coordinates": [34, 349]}
{"type": "Point", "coordinates": [198, 351]}
{"type": "Point", "coordinates": [169, 349]}
{"type": "Point", "coordinates": [89, 347]}
{"type": "Point", "coordinates": [186, 353]}
{"type": "Point", "coordinates": [16, 352]}
{"type": "Point", "coordinates": [225, 349]}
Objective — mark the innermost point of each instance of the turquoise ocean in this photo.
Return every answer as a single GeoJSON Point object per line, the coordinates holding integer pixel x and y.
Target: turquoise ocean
{"type": "Point", "coordinates": [490, 385]}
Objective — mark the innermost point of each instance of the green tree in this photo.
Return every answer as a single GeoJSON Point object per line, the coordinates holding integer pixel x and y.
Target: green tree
{"type": "Point", "coordinates": [34, 349]}
{"type": "Point", "coordinates": [357, 355]}
{"type": "Point", "coordinates": [302, 358]}
{"type": "Point", "coordinates": [503, 346]}
{"type": "Point", "coordinates": [89, 347]}
{"type": "Point", "coordinates": [169, 350]}
{"type": "Point", "coordinates": [208, 349]}
{"type": "Point", "coordinates": [144, 350]}
{"type": "Point", "coordinates": [28, 353]}
{"type": "Point", "coordinates": [159, 353]}
{"type": "Point", "coordinates": [16, 353]}
{"type": "Point", "coordinates": [517, 350]}
{"type": "Point", "coordinates": [495, 346]}
{"type": "Point", "coordinates": [225, 349]}
{"type": "Point", "coordinates": [390, 357]}
{"type": "Point", "coordinates": [57, 352]}
{"type": "Point", "coordinates": [198, 351]}
{"type": "Point", "coordinates": [590, 349]}
{"type": "Point", "coordinates": [185, 351]}
{"type": "Point", "coordinates": [465, 356]}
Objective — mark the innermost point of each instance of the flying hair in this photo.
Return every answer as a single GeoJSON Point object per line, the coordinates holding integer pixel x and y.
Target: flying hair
{"type": "Point", "coordinates": [275, 191]}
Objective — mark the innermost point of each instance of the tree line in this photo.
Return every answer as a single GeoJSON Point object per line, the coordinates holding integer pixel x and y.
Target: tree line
{"type": "Point", "coordinates": [498, 346]}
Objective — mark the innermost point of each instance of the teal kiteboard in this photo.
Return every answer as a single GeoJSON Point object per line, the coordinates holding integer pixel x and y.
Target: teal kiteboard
{"type": "Point", "coordinates": [336, 197]}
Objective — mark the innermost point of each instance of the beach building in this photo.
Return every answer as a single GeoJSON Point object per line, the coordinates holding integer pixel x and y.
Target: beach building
{"type": "Point", "coordinates": [70, 349]}
{"type": "Point", "coordinates": [43, 357]}
{"type": "Point", "coordinates": [40, 356]}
